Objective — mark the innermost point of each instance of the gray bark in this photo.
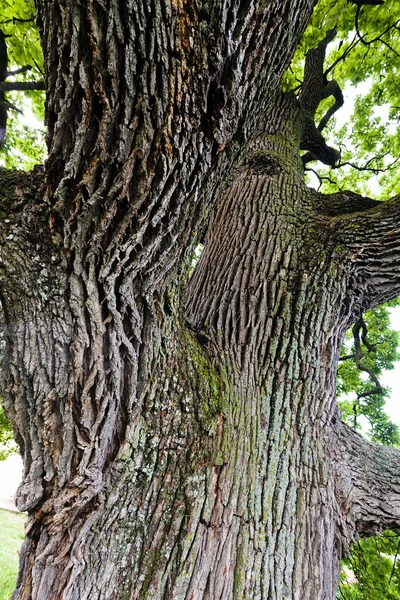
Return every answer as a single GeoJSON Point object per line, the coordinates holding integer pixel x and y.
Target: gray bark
{"type": "Point", "coordinates": [180, 434]}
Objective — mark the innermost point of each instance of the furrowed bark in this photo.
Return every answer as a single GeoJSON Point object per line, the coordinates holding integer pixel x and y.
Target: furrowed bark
{"type": "Point", "coordinates": [36, 326]}
{"type": "Point", "coordinates": [178, 435]}
{"type": "Point", "coordinates": [371, 232]}
{"type": "Point", "coordinates": [368, 483]}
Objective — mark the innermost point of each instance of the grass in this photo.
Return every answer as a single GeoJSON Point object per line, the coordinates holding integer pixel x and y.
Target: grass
{"type": "Point", "coordinates": [11, 536]}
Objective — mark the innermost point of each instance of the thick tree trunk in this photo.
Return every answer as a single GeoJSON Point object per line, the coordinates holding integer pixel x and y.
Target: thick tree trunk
{"type": "Point", "coordinates": [180, 437]}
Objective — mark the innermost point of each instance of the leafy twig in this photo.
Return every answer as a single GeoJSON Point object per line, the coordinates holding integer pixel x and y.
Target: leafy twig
{"type": "Point", "coordinates": [379, 37]}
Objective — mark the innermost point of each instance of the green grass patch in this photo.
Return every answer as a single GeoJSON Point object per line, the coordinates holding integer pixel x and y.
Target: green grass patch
{"type": "Point", "coordinates": [11, 536]}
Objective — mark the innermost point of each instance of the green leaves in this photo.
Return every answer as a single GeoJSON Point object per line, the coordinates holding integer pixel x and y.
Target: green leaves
{"type": "Point", "coordinates": [372, 571]}
{"type": "Point", "coordinates": [361, 408]}
{"type": "Point", "coordinates": [7, 444]}
{"type": "Point", "coordinates": [364, 60]}
{"type": "Point", "coordinates": [17, 19]}
{"type": "Point", "coordinates": [25, 145]}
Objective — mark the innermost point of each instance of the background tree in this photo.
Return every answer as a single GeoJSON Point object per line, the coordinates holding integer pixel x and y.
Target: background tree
{"type": "Point", "coordinates": [181, 439]}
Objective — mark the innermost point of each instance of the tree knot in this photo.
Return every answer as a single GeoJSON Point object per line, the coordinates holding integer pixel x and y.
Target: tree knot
{"type": "Point", "coordinates": [263, 163]}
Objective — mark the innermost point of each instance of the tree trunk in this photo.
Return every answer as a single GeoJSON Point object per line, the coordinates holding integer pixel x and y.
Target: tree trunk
{"type": "Point", "coordinates": [180, 434]}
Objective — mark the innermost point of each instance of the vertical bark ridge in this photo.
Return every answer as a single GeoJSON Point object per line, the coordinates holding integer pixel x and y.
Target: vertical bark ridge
{"type": "Point", "coordinates": [285, 355]}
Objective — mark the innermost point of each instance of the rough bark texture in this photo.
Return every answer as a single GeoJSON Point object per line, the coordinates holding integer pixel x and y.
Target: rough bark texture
{"type": "Point", "coordinates": [180, 435]}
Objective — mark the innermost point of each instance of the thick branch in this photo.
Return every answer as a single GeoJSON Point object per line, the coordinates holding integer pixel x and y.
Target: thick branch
{"type": "Point", "coordinates": [368, 483]}
{"type": "Point", "coordinates": [343, 203]}
{"type": "Point", "coordinates": [313, 141]}
{"type": "Point", "coordinates": [337, 93]}
{"type": "Point", "coordinates": [372, 238]}
{"type": "Point", "coordinates": [316, 88]}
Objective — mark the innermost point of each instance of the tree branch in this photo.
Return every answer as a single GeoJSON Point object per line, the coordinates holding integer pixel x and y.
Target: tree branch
{"type": "Point", "coordinates": [395, 562]}
{"type": "Point", "coordinates": [314, 85]}
{"type": "Point", "coordinates": [16, 20]}
{"type": "Point", "coordinates": [378, 38]}
{"type": "Point", "coordinates": [18, 71]}
{"type": "Point", "coordinates": [360, 326]}
{"type": "Point", "coordinates": [309, 157]}
{"type": "Point", "coordinates": [367, 482]}
{"type": "Point", "coordinates": [372, 239]}
{"type": "Point", "coordinates": [22, 86]}
{"type": "Point", "coordinates": [343, 203]}
{"type": "Point", "coordinates": [343, 56]}
{"type": "Point", "coordinates": [366, 167]}
{"type": "Point", "coordinates": [313, 141]}
{"type": "Point", "coordinates": [367, 2]}
{"type": "Point", "coordinates": [337, 93]}
{"type": "Point", "coordinates": [315, 89]}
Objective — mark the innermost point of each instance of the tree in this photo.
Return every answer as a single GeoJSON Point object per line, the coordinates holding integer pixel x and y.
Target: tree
{"type": "Point", "coordinates": [181, 437]}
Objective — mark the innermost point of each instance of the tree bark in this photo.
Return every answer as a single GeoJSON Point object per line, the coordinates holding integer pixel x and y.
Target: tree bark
{"type": "Point", "coordinates": [180, 434]}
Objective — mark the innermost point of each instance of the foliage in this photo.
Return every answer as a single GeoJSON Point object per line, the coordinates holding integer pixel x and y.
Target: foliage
{"type": "Point", "coordinates": [372, 572]}
{"type": "Point", "coordinates": [11, 536]}
{"type": "Point", "coordinates": [7, 444]}
{"type": "Point", "coordinates": [24, 146]}
{"type": "Point", "coordinates": [370, 139]}
{"type": "Point", "coordinates": [353, 383]}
